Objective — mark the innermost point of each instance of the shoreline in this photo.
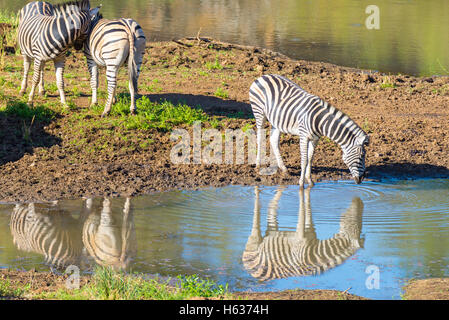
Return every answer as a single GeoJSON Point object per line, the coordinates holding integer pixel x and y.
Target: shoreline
{"type": "Point", "coordinates": [32, 285]}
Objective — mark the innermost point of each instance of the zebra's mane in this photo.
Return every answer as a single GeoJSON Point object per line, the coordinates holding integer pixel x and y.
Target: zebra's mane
{"type": "Point", "coordinates": [81, 4]}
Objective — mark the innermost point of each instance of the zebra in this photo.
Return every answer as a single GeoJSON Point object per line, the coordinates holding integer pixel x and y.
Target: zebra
{"type": "Point", "coordinates": [283, 254]}
{"type": "Point", "coordinates": [290, 109]}
{"type": "Point", "coordinates": [109, 236]}
{"type": "Point", "coordinates": [109, 44]}
{"type": "Point", "coordinates": [48, 230]}
{"type": "Point", "coordinates": [45, 33]}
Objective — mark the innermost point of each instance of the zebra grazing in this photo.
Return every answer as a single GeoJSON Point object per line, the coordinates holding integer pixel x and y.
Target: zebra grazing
{"type": "Point", "coordinates": [283, 254]}
{"type": "Point", "coordinates": [110, 44]}
{"type": "Point", "coordinates": [109, 236]}
{"type": "Point", "coordinates": [45, 33]}
{"type": "Point", "coordinates": [290, 109]}
{"type": "Point", "coordinates": [46, 229]}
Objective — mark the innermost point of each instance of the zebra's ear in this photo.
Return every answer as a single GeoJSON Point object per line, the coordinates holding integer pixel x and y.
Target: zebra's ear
{"type": "Point", "coordinates": [366, 140]}
{"type": "Point", "coordinates": [363, 140]}
{"type": "Point", "coordinates": [94, 11]}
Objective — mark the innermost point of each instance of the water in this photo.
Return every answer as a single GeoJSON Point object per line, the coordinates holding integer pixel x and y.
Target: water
{"type": "Point", "coordinates": [398, 228]}
{"type": "Point", "coordinates": [411, 38]}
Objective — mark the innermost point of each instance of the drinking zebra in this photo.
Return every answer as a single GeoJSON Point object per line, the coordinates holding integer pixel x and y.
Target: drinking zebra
{"type": "Point", "coordinates": [283, 254]}
{"type": "Point", "coordinates": [290, 109]}
{"type": "Point", "coordinates": [45, 33]}
{"type": "Point", "coordinates": [110, 44]}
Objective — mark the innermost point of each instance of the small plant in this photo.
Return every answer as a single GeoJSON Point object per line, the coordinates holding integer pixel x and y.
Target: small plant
{"type": "Point", "coordinates": [387, 83]}
{"type": "Point", "coordinates": [26, 130]}
{"type": "Point", "coordinates": [213, 65]}
{"type": "Point", "coordinates": [366, 127]}
{"type": "Point", "coordinates": [193, 286]}
{"type": "Point", "coordinates": [221, 93]}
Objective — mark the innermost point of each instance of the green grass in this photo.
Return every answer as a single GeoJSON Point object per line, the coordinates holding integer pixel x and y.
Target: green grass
{"type": "Point", "coordinates": [162, 115]}
{"type": "Point", "coordinates": [107, 284]}
{"type": "Point", "coordinates": [213, 65]}
{"type": "Point", "coordinates": [221, 93]}
{"type": "Point", "coordinates": [12, 19]}
{"type": "Point", "coordinates": [22, 110]}
{"type": "Point", "coordinates": [387, 82]}
{"type": "Point", "coordinates": [9, 290]}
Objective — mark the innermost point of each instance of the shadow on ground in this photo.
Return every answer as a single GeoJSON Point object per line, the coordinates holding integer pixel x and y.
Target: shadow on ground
{"type": "Point", "coordinates": [22, 130]}
{"type": "Point", "coordinates": [406, 170]}
{"type": "Point", "coordinates": [211, 105]}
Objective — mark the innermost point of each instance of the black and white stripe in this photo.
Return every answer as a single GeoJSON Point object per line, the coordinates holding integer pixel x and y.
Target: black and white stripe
{"type": "Point", "coordinates": [109, 235]}
{"type": "Point", "coordinates": [290, 109]}
{"type": "Point", "coordinates": [282, 254]}
{"type": "Point", "coordinates": [45, 33]}
{"type": "Point", "coordinates": [110, 44]}
{"type": "Point", "coordinates": [47, 230]}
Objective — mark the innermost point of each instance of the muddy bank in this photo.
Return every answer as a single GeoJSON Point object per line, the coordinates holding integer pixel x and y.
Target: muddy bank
{"type": "Point", "coordinates": [39, 283]}
{"type": "Point", "coordinates": [53, 158]}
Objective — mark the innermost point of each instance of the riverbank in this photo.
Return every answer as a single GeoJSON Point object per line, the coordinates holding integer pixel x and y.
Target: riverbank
{"type": "Point", "coordinates": [50, 153]}
{"type": "Point", "coordinates": [105, 284]}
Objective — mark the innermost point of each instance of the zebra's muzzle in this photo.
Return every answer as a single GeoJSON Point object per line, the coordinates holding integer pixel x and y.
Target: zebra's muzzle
{"type": "Point", "coordinates": [359, 180]}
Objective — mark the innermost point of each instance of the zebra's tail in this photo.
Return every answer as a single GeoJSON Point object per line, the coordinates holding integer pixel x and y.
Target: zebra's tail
{"type": "Point", "coordinates": [132, 66]}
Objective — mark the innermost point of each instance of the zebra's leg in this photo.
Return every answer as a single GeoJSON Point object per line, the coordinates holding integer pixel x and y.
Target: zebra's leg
{"type": "Point", "coordinates": [132, 91]}
{"type": "Point", "coordinates": [272, 215]}
{"type": "Point", "coordinates": [303, 145]}
{"type": "Point", "coordinates": [59, 67]}
{"type": "Point", "coordinates": [93, 70]}
{"type": "Point", "coordinates": [111, 75]}
{"type": "Point", "coordinates": [310, 151]}
{"type": "Point", "coordinates": [26, 70]}
{"type": "Point", "coordinates": [274, 141]}
{"type": "Point", "coordinates": [41, 83]}
{"type": "Point", "coordinates": [300, 227]}
{"type": "Point", "coordinates": [38, 64]}
{"type": "Point", "coordinates": [134, 76]}
{"type": "Point", "coordinates": [259, 146]}
{"type": "Point", "coordinates": [260, 121]}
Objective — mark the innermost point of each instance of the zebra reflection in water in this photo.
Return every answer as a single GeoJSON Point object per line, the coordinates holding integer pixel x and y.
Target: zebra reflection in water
{"type": "Point", "coordinates": [283, 254]}
{"type": "Point", "coordinates": [100, 231]}
{"type": "Point", "coordinates": [109, 236]}
{"type": "Point", "coordinates": [46, 229]}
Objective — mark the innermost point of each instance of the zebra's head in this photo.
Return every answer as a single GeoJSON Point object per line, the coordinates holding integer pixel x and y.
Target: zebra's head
{"type": "Point", "coordinates": [354, 157]}
{"type": "Point", "coordinates": [93, 16]}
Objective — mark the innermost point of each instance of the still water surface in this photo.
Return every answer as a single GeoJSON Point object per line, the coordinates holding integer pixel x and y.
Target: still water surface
{"type": "Point", "coordinates": [253, 238]}
{"type": "Point", "coordinates": [412, 37]}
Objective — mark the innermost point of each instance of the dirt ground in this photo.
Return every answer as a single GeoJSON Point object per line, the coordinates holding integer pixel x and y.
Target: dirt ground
{"type": "Point", "coordinates": [406, 117]}
{"type": "Point", "coordinates": [45, 282]}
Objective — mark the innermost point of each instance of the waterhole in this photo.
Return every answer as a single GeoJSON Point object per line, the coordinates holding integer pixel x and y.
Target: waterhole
{"type": "Point", "coordinates": [369, 239]}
